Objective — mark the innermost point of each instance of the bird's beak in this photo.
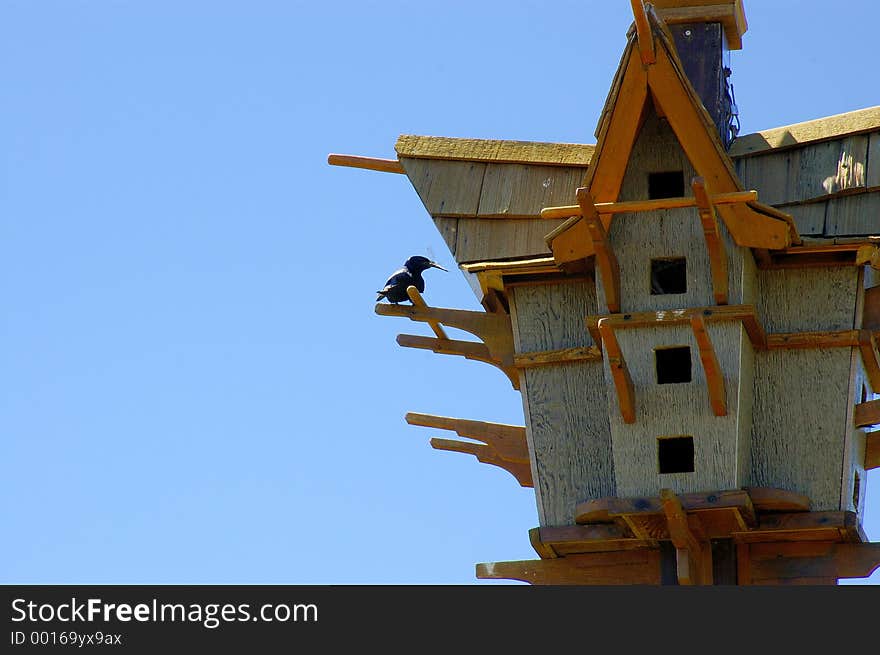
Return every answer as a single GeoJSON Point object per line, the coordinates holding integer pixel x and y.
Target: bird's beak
{"type": "Point", "coordinates": [436, 265]}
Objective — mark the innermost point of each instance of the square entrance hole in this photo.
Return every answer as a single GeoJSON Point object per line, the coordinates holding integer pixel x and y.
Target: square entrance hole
{"type": "Point", "coordinates": [673, 364]}
{"type": "Point", "coordinates": [675, 454]}
{"type": "Point", "coordinates": [666, 185]}
{"type": "Point", "coordinates": [668, 275]}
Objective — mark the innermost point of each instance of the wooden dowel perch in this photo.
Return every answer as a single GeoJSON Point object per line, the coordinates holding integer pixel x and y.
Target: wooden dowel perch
{"type": "Point", "coordinates": [419, 302]}
{"type": "Point", "coordinates": [650, 205]}
{"type": "Point", "coordinates": [369, 163]}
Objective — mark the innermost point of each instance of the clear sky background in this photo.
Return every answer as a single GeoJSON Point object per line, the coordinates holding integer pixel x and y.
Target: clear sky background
{"type": "Point", "coordinates": [194, 387]}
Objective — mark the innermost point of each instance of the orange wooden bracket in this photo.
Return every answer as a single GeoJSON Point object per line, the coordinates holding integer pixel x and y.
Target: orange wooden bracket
{"type": "Point", "coordinates": [872, 451]}
{"type": "Point", "coordinates": [487, 455]}
{"type": "Point", "coordinates": [714, 242]}
{"type": "Point", "coordinates": [472, 350]}
{"type": "Point", "coordinates": [870, 358]}
{"type": "Point", "coordinates": [619, 372]}
{"type": "Point", "coordinates": [605, 259]}
{"type": "Point", "coordinates": [711, 367]}
{"type": "Point", "coordinates": [416, 299]}
{"type": "Point", "coordinates": [508, 440]}
{"type": "Point", "coordinates": [643, 30]}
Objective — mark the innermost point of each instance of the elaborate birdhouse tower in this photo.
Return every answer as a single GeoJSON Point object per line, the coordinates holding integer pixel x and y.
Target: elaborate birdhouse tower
{"type": "Point", "coordinates": [689, 316]}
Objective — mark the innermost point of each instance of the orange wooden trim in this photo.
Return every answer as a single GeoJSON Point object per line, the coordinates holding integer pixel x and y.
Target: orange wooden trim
{"type": "Point", "coordinates": [623, 383]}
{"type": "Point", "coordinates": [472, 350]}
{"type": "Point", "coordinates": [508, 440]}
{"type": "Point", "coordinates": [369, 163]}
{"type": "Point", "coordinates": [604, 510]}
{"type": "Point", "coordinates": [870, 358]}
{"type": "Point", "coordinates": [690, 553]}
{"type": "Point", "coordinates": [564, 356]}
{"type": "Point", "coordinates": [792, 561]}
{"type": "Point", "coordinates": [632, 206]}
{"type": "Point", "coordinates": [559, 541]}
{"type": "Point", "coordinates": [803, 340]}
{"type": "Point", "coordinates": [771, 499]}
{"type": "Point", "coordinates": [606, 261]}
{"type": "Point", "coordinates": [487, 455]}
{"type": "Point", "coordinates": [714, 242]}
{"type": "Point", "coordinates": [711, 367]}
{"type": "Point", "coordinates": [643, 31]}
{"type": "Point", "coordinates": [872, 451]}
{"type": "Point", "coordinates": [744, 313]}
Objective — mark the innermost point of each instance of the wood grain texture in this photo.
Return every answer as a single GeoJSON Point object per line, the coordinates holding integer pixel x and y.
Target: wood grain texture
{"type": "Point", "coordinates": [799, 422]}
{"type": "Point", "coordinates": [853, 215]}
{"type": "Point", "coordinates": [800, 134]}
{"type": "Point", "coordinates": [873, 175]}
{"type": "Point", "coordinates": [566, 404]}
{"type": "Point", "coordinates": [809, 218]}
{"type": "Point", "coordinates": [629, 567]}
{"type": "Point", "coordinates": [808, 299]}
{"type": "Point", "coordinates": [492, 150]}
{"type": "Point", "coordinates": [487, 239]}
{"type": "Point", "coordinates": [808, 173]}
{"type": "Point", "coordinates": [446, 188]}
{"type": "Point", "coordinates": [520, 190]}
{"type": "Point", "coordinates": [872, 450]}
{"type": "Point", "coordinates": [665, 410]}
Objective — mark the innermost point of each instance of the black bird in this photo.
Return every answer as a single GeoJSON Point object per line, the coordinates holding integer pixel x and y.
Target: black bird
{"type": "Point", "coordinates": [409, 275]}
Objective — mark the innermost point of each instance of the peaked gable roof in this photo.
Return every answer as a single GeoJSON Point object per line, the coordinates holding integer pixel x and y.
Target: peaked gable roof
{"type": "Point", "coordinates": [663, 83]}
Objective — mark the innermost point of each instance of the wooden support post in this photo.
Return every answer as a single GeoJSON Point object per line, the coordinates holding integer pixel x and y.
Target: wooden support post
{"type": "Point", "coordinates": [619, 372]}
{"type": "Point", "coordinates": [472, 350]}
{"type": "Point", "coordinates": [872, 451]}
{"type": "Point", "coordinates": [714, 242]}
{"type": "Point", "coordinates": [606, 262]}
{"type": "Point", "coordinates": [711, 367]}
{"type": "Point", "coordinates": [870, 358]}
{"type": "Point", "coordinates": [643, 31]}
{"type": "Point", "coordinates": [867, 413]}
{"type": "Point", "coordinates": [369, 163]}
{"type": "Point", "coordinates": [487, 455]}
{"type": "Point", "coordinates": [694, 560]}
{"type": "Point", "coordinates": [417, 300]}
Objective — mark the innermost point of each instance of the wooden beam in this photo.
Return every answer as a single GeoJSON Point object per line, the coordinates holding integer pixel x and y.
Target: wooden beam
{"type": "Point", "coordinates": [559, 541]}
{"type": "Point", "coordinates": [563, 356]}
{"type": "Point", "coordinates": [872, 450]}
{"type": "Point", "coordinates": [643, 31]}
{"type": "Point", "coordinates": [630, 567]}
{"type": "Point", "coordinates": [369, 163]}
{"type": "Point", "coordinates": [790, 561]}
{"type": "Point", "coordinates": [631, 206]}
{"type": "Point", "coordinates": [805, 340]}
{"type": "Point", "coordinates": [711, 367]}
{"type": "Point", "coordinates": [619, 372]}
{"type": "Point", "coordinates": [606, 262]}
{"type": "Point", "coordinates": [417, 300]}
{"type": "Point", "coordinates": [871, 315]}
{"type": "Point", "coordinates": [691, 555]}
{"type": "Point", "coordinates": [509, 441]}
{"type": "Point", "coordinates": [494, 329]}
{"type": "Point", "coordinates": [714, 241]}
{"type": "Point", "coordinates": [468, 349]}
{"type": "Point", "coordinates": [867, 413]}
{"type": "Point", "coordinates": [744, 313]}
{"type": "Point", "coordinates": [771, 499]}
{"type": "Point", "coordinates": [830, 526]}
{"type": "Point", "coordinates": [487, 455]}
{"type": "Point", "coordinates": [870, 358]}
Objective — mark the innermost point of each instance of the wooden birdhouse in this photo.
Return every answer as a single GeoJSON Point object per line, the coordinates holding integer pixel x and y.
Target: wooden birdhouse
{"type": "Point", "coordinates": [690, 316]}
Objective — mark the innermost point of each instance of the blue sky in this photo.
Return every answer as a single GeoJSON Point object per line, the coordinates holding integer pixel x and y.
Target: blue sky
{"type": "Point", "coordinates": [195, 387]}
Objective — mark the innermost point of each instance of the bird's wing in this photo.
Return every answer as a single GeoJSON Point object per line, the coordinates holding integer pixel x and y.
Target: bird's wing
{"type": "Point", "coordinates": [400, 276]}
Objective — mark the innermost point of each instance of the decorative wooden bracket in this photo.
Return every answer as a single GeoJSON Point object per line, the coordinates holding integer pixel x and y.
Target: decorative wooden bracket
{"type": "Point", "coordinates": [711, 367]}
{"type": "Point", "coordinates": [606, 262]}
{"type": "Point", "coordinates": [467, 349]}
{"type": "Point", "coordinates": [619, 372]}
{"type": "Point", "coordinates": [714, 242]}
{"type": "Point", "coordinates": [693, 556]}
{"type": "Point", "coordinates": [487, 455]}
{"type": "Point", "coordinates": [494, 329]}
{"type": "Point", "coordinates": [628, 567]}
{"type": "Point", "coordinates": [503, 446]}
{"type": "Point", "coordinates": [811, 561]}
{"type": "Point", "coordinates": [416, 299]}
{"type": "Point", "coordinates": [508, 440]}
{"type": "Point", "coordinates": [872, 450]}
{"type": "Point", "coordinates": [870, 358]}
{"type": "Point", "coordinates": [643, 31]}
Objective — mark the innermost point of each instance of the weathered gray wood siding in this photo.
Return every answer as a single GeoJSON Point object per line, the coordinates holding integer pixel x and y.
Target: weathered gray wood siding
{"type": "Point", "coordinates": [487, 211]}
{"type": "Point", "coordinates": [683, 409]}
{"type": "Point", "coordinates": [802, 397]}
{"type": "Point", "coordinates": [832, 187]}
{"type": "Point", "coordinates": [565, 405]}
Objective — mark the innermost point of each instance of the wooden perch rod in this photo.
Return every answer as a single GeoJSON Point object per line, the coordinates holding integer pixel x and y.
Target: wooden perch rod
{"type": "Point", "coordinates": [417, 300]}
{"type": "Point", "coordinates": [370, 163]}
{"type": "Point", "coordinates": [649, 205]}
